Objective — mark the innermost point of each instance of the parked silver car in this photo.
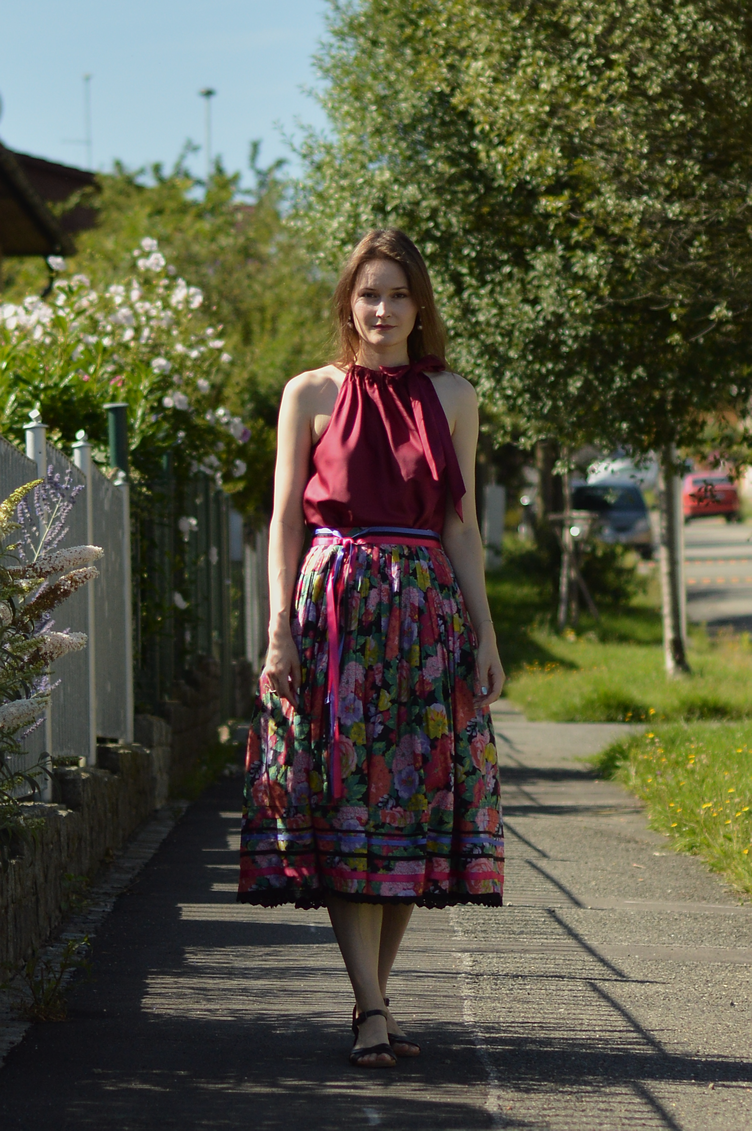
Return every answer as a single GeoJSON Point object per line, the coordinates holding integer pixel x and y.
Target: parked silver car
{"type": "Point", "coordinates": [621, 510]}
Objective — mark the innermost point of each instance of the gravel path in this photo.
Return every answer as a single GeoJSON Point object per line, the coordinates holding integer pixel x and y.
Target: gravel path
{"type": "Point", "coordinates": [613, 990]}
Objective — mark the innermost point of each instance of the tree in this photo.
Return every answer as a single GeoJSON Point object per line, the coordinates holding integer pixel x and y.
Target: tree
{"type": "Point", "coordinates": [261, 296]}
{"type": "Point", "coordinates": [577, 173]}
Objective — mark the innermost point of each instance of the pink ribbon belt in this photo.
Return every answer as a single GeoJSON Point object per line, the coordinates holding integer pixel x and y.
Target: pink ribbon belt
{"type": "Point", "coordinates": [339, 573]}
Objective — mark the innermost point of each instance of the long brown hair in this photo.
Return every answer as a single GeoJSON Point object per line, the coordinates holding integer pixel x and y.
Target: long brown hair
{"type": "Point", "coordinates": [428, 335]}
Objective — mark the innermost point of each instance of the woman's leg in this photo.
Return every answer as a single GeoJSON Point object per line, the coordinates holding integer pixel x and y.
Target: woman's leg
{"type": "Point", "coordinates": [357, 928]}
{"type": "Point", "coordinates": [394, 924]}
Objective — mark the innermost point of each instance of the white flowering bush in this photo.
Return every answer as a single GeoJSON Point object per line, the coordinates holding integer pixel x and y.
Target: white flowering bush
{"type": "Point", "coordinates": [145, 341]}
{"type": "Point", "coordinates": [29, 592]}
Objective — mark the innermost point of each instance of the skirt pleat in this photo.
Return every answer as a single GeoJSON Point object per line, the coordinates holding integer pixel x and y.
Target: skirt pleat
{"type": "Point", "coordinates": [420, 818]}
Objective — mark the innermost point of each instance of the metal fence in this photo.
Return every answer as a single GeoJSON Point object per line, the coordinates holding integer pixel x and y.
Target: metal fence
{"type": "Point", "coordinates": [201, 590]}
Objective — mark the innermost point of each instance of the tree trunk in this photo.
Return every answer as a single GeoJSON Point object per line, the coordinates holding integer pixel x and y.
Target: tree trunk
{"type": "Point", "coordinates": [565, 576]}
{"type": "Point", "coordinates": [549, 496]}
{"type": "Point", "coordinates": [672, 565]}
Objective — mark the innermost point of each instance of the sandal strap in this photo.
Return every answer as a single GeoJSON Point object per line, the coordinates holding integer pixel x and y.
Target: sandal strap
{"type": "Point", "coordinates": [372, 1050]}
{"type": "Point", "coordinates": [368, 1013]}
{"type": "Point", "coordinates": [395, 1040]}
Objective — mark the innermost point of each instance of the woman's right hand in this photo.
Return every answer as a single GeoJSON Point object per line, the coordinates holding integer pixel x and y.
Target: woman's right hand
{"type": "Point", "coordinates": [282, 667]}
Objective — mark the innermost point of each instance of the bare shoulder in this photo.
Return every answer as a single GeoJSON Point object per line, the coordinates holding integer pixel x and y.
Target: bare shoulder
{"type": "Point", "coordinates": [455, 387]}
{"type": "Point", "coordinates": [312, 382]}
{"type": "Point", "coordinates": [458, 397]}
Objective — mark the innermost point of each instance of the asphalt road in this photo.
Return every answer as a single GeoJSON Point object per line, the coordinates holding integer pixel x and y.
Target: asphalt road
{"type": "Point", "coordinates": [718, 568]}
{"type": "Point", "coordinates": [612, 991]}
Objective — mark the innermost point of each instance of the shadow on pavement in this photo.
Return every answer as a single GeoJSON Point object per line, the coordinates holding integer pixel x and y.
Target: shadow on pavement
{"type": "Point", "coordinates": [200, 1014]}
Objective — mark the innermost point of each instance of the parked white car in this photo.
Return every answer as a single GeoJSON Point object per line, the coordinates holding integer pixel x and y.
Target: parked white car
{"type": "Point", "coordinates": [625, 470]}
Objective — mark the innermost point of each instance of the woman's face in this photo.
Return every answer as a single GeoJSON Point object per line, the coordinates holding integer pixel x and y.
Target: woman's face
{"type": "Point", "coordinates": [383, 310]}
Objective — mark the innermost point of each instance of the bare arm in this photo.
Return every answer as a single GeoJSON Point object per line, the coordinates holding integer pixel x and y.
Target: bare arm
{"type": "Point", "coordinates": [463, 545]}
{"type": "Point", "coordinates": [287, 534]}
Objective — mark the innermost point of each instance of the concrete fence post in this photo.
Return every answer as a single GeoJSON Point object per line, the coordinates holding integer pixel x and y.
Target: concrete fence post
{"type": "Point", "coordinates": [117, 426]}
{"type": "Point", "coordinates": [82, 460]}
{"type": "Point", "coordinates": [36, 450]}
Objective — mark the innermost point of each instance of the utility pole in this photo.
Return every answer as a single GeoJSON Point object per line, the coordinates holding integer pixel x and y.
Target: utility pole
{"type": "Point", "coordinates": [86, 139]}
{"type": "Point", "coordinates": [207, 94]}
{"type": "Point", "coordinates": [87, 121]}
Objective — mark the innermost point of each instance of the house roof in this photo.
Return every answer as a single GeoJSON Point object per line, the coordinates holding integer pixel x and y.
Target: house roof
{"type": "Point", "coordinates": [27, 226]}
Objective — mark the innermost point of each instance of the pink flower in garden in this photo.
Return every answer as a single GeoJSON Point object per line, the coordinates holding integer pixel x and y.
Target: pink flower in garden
{"type": "Point", "coordinates": [117, 380]}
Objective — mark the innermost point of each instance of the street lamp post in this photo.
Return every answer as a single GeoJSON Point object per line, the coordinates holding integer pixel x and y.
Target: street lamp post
{"type": "Point", "coordinates": [207, 94]}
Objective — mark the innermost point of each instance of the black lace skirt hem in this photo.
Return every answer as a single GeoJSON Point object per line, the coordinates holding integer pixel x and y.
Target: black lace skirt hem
{"type": "Point", "coordinates": [316, 900]}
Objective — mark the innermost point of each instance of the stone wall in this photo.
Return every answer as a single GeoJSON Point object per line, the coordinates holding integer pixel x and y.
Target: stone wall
{"type": "Point", "coordinates": [95, 810]}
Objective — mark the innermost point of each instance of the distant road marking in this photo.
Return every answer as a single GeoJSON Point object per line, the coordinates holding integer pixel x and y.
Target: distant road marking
{"type": "Point", "coordinates": [716, 561]}
{"type": "Point", "coordinates": [720, 581]}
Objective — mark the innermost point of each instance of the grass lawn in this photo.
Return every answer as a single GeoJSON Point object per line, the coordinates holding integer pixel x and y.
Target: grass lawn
{"type": "Point", "coordinates": [692, 765]}
{"type": "Point", "coordinates": [696, 780]}
{"type": "Point", "coordinates": [610, 669]}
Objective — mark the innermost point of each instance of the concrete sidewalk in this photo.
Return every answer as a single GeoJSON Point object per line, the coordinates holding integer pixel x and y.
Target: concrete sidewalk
{"type": "Point", "coordinates": [611, 992]}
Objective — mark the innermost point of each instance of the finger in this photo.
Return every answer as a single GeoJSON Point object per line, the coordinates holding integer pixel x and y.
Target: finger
{"type": "Point", "coordinates": [290, 692]}
{"type": "Point", "coordinates": [491, 685]}
{"type": "Point", "coordinates": [486, 689]}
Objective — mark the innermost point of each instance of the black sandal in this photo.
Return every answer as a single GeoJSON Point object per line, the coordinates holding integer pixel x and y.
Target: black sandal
{"type": "Point", "coordinates": [395, 1040]}
{"type": "Point", "coordinates": [357, 1055]}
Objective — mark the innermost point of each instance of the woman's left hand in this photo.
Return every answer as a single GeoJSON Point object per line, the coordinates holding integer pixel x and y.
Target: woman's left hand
{"type": "Point", "coordinates": [490, 672]}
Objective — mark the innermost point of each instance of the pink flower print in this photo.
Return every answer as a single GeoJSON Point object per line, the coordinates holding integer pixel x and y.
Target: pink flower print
{"type": "Point", "coordinates": [353, 675]}
{"type": "Point", "coordinates": [478, 751]}
{"type": "Point", "coordinates": [412, 748]}
{"type": "Point", "coordinates": [482, 820]}
{"type": "Point", "coordinates": [348, 759]}
{"type": "Point", "coordinates": [350, 817]}
{"type": "Point", "coordinates": [433, 668]}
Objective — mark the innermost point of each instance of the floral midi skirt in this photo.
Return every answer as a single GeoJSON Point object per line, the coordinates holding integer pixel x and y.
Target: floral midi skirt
{"type": "Point", "coordinates": [419, 816]}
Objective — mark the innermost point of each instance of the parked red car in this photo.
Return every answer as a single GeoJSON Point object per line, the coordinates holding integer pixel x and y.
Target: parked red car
{"type": "Point", "coordinates": [710, 492]}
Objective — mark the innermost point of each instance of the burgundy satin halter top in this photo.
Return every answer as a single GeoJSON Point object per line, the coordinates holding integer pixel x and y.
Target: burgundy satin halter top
{"type": "Point", "coordinates": [386, 457]}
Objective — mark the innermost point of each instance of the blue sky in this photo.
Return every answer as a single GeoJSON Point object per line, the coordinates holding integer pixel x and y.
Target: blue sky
{"type": "Point", "coordinates": [148, 60]}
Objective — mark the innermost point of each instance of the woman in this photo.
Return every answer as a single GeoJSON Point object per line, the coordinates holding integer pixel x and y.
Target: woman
{"type": "Point", "coordinates": [372, 780]}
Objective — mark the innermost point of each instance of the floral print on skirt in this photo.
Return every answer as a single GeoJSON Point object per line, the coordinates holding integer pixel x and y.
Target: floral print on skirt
{"type": "Point", "coordinates": [420, 819]}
